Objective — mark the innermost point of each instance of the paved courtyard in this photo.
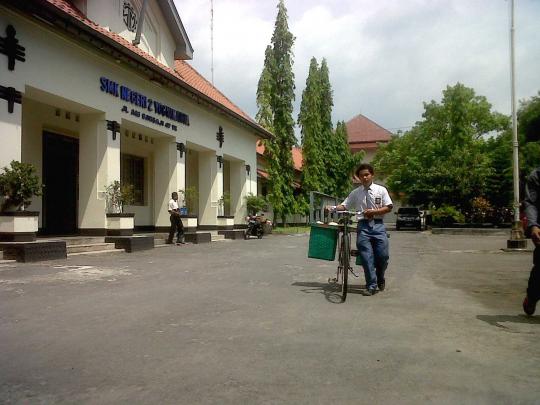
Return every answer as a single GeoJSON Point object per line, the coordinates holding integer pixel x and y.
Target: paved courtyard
{"type": "Point", "coordinates": [245, 322]}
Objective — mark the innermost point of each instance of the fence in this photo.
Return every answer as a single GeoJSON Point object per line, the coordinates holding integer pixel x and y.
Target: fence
{"type": "Point", "coordinates": [317, 202]}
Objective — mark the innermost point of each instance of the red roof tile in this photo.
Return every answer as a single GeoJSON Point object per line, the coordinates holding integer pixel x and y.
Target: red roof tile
{"type": "Point", "coordinates": [361, 129]}
{"type": "Point", "coordinates": [296, 155]}
{"type": "Point", "coordinates": [182, 70]}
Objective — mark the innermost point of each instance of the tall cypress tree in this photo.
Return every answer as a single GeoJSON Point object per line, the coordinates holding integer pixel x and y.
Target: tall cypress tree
{"type": "Point", "coordinates": [309, 119]}
{"type": "Point", "coordinates": [265, 116]}
{"type": "Point", "coordinates": [327, 142]}
{"type": "Point", "coordinates": [344, 161]}
{"type": "Point", "coordinates": [280, 82]}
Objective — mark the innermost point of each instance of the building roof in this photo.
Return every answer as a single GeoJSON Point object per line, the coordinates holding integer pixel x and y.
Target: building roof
{"type": "Point", "coordinates": [296, 155]}
{"type": "Point", "coordinates": [362, 132]}
{"type": "Point", "coordinates": [183, 74]}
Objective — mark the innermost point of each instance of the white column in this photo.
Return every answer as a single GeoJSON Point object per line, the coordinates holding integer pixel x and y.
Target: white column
{"type": "Point", "coordinates": [165, 179]}
{"type": "Point", "coordinates": [207, 189]}
{"type": "Point", "coordinates": [238, 187]}
{"type": "Point", "coordinates": [11, 132]}
{"type": "Point", "coordinates": [99, 166]}
{"type": "Point", "coordinates": [218, 183]}
{"type": "Point", "coordinates": [181, 170]}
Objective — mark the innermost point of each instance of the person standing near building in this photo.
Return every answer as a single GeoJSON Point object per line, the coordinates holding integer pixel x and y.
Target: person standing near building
{"type": "Point", "coordinates": [532, 206]}
{"type": "Point", "coordinates": [176, 222]}
{"type": "Point", "coordinates": [373, 202]}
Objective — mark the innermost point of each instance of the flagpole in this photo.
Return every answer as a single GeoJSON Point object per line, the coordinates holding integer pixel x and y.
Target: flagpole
{"type": "Point", "coordinates": [517, 239]}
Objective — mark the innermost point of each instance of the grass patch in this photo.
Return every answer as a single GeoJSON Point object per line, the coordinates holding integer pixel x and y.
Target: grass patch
{"type": "Point", "coordinates": [290, 230]}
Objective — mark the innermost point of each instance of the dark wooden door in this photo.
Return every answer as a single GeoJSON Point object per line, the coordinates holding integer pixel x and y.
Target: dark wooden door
{"type": "Point", "coordinates": [61, 179]}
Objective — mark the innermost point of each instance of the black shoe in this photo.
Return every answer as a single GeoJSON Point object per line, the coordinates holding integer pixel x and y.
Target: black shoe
{"type": "Point", "coordinates": [168, 242]}
{"type": "Point", "coordinates": [371, 291]}
{"type": "Point", "coordinates": [529, 306]}
{"type": "Point", "coordinates": [180, 243]}
{"type": "Point", "coordinates": [381, 285]}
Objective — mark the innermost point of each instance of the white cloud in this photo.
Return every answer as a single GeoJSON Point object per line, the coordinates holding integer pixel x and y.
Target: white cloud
{"type": "Point", "coordinates": [385, 57]}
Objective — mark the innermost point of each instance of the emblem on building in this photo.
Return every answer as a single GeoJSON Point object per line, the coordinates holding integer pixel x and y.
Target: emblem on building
{"type": "Point", "coordinates": [130, 17]}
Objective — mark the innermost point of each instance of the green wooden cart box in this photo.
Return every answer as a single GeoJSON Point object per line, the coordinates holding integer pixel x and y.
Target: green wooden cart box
{"type": "Point", "coordinates": [323, 241]}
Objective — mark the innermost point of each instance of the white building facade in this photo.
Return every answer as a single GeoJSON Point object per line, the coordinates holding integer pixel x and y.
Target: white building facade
{"type": "Point", "coordinates": [89, 100]}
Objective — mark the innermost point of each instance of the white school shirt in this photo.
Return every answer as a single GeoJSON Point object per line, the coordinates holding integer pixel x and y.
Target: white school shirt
{"type": "Point", "coordinates": [372, 197]}
{"type": "Point", "coordinates": [173, 205]}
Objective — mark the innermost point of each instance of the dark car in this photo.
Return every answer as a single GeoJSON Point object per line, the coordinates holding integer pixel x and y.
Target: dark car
{"type": "Point", "coordinates": [408, 217]}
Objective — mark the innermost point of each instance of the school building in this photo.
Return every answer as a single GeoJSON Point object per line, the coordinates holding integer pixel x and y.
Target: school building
{"type": "Point", "coordinates": [94, 91]}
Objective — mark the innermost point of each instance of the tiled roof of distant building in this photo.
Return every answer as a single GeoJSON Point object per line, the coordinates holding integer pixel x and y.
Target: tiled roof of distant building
{"type": "Point", "coordinates": [296, 155]}
{"type": "Point", "coordinates": [364, 133]}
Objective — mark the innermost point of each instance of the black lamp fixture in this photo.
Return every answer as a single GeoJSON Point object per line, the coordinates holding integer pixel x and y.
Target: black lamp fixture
{"type": "Point", "coordinates": [180, 147]}
{"type": "Point", "coordinates": [10, 47]}
{"type": "Point", "coordinates": [220, 161]}
{"type": "Point", "coordinates": [12, 96]}
{"type": "Point", "coordinates": [248, 169]}
{"type": "Point", "coordinates": [114, 127]}
{"type": "Point", "coordinates": [220, 136]}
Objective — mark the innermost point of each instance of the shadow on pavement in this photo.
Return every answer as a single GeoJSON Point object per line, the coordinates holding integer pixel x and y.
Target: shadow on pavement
{"type": "Point", "coordinates": [331, 291]}
{"type": "Point", "coordinates": [498, 320]}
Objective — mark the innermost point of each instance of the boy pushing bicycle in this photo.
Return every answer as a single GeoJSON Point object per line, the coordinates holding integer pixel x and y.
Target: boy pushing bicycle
{"type": "Point", "coordinates": [372, 201]}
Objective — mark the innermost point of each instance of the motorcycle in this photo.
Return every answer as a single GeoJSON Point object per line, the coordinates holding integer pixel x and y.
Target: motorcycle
{"type": "Point", "coordinates": [254, 227]}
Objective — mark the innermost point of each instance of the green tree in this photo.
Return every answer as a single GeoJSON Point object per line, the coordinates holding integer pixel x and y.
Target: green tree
{"type": "Point", "coordinates": [265, 116]}
{"type": "Point", "coordinates": [529, 135]}
{"type": "Point", "coordinates": [313, 168]}
{"type": "Point", "coordinates": [331, 160]}
{"type": "Point", "coordinates": [442, 159]}
{"type": "Point", "coordinates": [279, 81]}
{"type": "Point", "coordinates": [344, 162]}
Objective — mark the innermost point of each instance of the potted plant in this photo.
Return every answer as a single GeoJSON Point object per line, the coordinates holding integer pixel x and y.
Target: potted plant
{"type": "Point", "coordinates": [18, 184]}
{"type": "Point", "coordinates": [190, 198]}
{"type": "Point", "coordinates": [224, 204]}
{"type": "Point", "coordinates": [225, 221]}
{"type": "Point", "coordinates": [117, 196]}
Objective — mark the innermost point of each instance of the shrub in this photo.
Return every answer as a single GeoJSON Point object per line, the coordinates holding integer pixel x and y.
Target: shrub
{"type": "Point", "coordinates": [255, 203]}
{"type": "Point", "coordinates": [118, 195]}
{"type": "Point", "coordinates": [18, 184]}
{"type": "Point", "coordinates": [446, 215]}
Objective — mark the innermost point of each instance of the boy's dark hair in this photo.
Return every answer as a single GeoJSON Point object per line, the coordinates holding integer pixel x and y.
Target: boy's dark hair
{"type": "Point", "coordinates": [173, 194]}
{"type": "Point", "coordinates": [364, 166]}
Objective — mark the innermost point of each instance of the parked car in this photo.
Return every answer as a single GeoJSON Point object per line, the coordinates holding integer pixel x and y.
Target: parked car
{"type": "Point", "coordinates": [408, 217]}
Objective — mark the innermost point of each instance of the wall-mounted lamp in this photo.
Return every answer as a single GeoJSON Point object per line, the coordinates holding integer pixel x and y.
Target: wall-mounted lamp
{"type": "Point", "coordinates": [114, 127]}
{"type": "Point", "coordinates": [220, 161]}
{"type": "Point", "coordinates": [220, 136]}
{"type": "Point", "coordinates": [11, 95]}
{"type": "Point", "coordinates": [248, 169]}
{"type": "Point", "coordinates": [180, 147]}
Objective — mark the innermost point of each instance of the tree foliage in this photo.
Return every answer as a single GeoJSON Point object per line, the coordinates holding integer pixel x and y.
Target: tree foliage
{"type": "Point", "coordinates": [309, 119]}
{"type": "Point", "coordinates": [275, 96]}
{"type": "Point", "coordinates": [442, 160]}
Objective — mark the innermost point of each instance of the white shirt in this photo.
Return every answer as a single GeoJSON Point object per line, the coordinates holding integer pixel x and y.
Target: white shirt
{"type": "Point", "coordinates": [173, 205]}
{"type": "Point", "coordinates": [372, 197]}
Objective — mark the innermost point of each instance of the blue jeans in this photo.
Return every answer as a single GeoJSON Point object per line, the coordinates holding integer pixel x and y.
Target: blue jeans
{"type": "Point", "coordinates": [372, 245]}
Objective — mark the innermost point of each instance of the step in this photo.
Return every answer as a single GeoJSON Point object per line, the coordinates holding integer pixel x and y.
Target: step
{"type": "Point", "coordinates": [217, 238]}
{"type": "Point", "coordinates": [91, 247]}
{"type": "Point", "coordinates": [96, 252]}
{"type": "Point", "coordinates": [81, 240]}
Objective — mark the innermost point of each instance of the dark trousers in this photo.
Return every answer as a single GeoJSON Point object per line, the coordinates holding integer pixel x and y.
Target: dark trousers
{"type": "Point", "coordinates": [176, 227]}
{"type": "Point", "coordinates": [533, 289]}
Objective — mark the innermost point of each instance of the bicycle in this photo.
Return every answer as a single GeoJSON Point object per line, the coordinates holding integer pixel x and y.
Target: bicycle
{"type": "Point", "coordinates": [344, 264]}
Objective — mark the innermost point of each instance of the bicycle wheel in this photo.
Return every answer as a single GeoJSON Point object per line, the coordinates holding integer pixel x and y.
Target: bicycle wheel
{"type": "Point", "coordinates": [345, 264]}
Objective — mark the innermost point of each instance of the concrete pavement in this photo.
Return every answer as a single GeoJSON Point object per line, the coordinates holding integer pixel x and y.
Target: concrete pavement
{"type": "Point", "coordinates": [256, 322]}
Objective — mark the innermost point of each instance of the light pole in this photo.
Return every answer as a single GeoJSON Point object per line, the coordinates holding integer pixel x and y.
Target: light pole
{"type": "Point", "coordinates": [517, 239]}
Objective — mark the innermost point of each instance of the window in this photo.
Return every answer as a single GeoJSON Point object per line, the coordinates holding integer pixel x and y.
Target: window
{"type": "Point", "coordinates": [132, 173]}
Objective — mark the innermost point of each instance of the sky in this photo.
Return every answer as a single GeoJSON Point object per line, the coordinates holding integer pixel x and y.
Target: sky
{"type": "Point", "coordinates": [385, 57]}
